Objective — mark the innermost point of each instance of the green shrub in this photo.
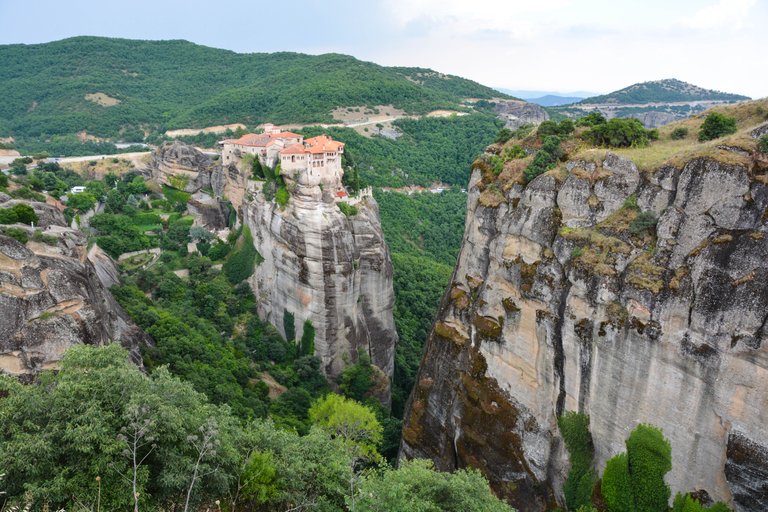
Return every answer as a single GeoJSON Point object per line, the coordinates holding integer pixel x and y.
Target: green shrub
{"type": "Point", "coordinates": [545, 159]}
{"type": "Point", "coordinates": [650, 458]}
{"type": "Point", "coordinates": [282, 196]}
{"type": "Point", "coordinates": [243, 260]}
{"type": "Point", "coordinates": [21, 213]}
{"type": "Point", "coordinates": [581, 479]}
{"type": "Point", "coordinates": [27, 193]}
{"type": "Point", "coordinates": [3, 180]}
{"type": "Point", "coordinates": [644, 221]}
{"type": "Point", "coordinates": [513, 153]}
{"type": "Point", "coordinates": [17, 233]}
{"type": "Point", "coordinates": [289, 325]}
{"type": "Point", "coordinates": [592, 119]}
{"type": "Point", "coordinates": [616, 486]}
{"type": "Point", "coordinates": [679, 133]}
{"type": "Point", "coordinates": [619, 133]}
{"type": "Point", "coordinates": [561, 129]}
{"type": "Point", "coordinates": [347, 209]}
{"type": "Point", "coordinates": [307, 343]}
{"type": "Point", "coordinates": [762, 144]}
{"type": "Point", "coordinates": [687, 503]}
{"type": "Point", "coordinates": [576, 252]}
{"type": "Point", "coordinates": [716, 125]}
{"type": "Point", "coordinates": [39, 236]}
{"type": "Point", "coordinates": [503, 136]}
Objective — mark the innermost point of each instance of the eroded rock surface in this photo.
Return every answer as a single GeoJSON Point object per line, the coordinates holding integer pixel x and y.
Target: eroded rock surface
{"type": "Point", "coordinates": [333, 270]}
{"type": "Point", "coordinates": [557, 304]}
{"type": "Point", "coordinates": [55, 295]}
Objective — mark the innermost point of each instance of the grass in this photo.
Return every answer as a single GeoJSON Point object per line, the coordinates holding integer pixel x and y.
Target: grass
{"type": "Point", "coordinates": [677, 152]}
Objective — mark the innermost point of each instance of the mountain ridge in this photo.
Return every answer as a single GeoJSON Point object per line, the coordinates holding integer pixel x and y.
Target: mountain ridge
{"type": "Point", "coordinates": [107, 85]}
{"type": "Point", "coordinates": [665, 90]}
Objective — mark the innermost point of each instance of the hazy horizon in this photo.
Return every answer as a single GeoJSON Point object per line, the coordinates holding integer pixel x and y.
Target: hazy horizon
{"type": "Point", "coordinates": [549, 45]}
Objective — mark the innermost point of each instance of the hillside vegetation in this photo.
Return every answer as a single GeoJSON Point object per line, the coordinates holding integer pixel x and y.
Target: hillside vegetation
{"type": "Point", "coordinates": [108, 86]}
{"type": "Point", "coordinates": [662, 91]}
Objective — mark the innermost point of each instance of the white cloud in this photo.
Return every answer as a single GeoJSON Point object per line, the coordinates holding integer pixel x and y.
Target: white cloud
{"type": "Point", "coordinates": [729, 14]}
{"type": "Point", "coordinates": [520, 19]}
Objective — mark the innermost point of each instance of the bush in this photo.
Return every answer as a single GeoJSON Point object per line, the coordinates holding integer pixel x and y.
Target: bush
{"type": "Point", "coordinates": [578, 486]}
{"type": "Point", "coordinates": [243, 259]}
{"type": "Point", "coordinates": [679, 133]}
{"type": "Point", "coordinates": [17, 233]}
{"type": "Point", "coordinates": [762, 144]}
{"type": "Point", "coordinates": [592, 119]}
{"type": "Point", "coordinates": [21, 213]}
{"type": "Point", "coordinates": [716, 125]}
{"type": "Point", "coordinates": [644, 221]}
{"type": "Point", "coordinates": [307, 343]}
{"type": "Point", "coordinates": [289, 325]}
{"type": "Point", "coordinates": [3, 180]}
{"type": "Point", "coordinates": [561, 129]}
{"type": "Point", "coordinates": [620, 133]}
{"type": "Point", "coordinates": [513, 153]}
{"type": "Point", "coordinates": [503, 136]}
{"type": "Point", "coordinates": [545, 158]}
{"type": "Point", "coordinates": [347, 209]}
{"type": "Point", "coordinates": [282, 196]}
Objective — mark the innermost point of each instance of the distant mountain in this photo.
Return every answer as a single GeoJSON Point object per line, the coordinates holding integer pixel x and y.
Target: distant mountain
{"type": "Point", "coordinates": [662, 91]}
{"type": "Point", "coordinates": [553, 100]}
{"type": "Point", "coordinates": [528, 95]}
{"type": "Point", "coordinates": [105, 85]}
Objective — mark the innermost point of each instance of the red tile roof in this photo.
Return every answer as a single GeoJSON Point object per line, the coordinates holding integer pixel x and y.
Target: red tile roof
{"type": "Point", "coordinates": [294, 149]}
{"type": "Point", "coordinates": [323, 144]}
{"type": "Point", "coordinates": [261, 140]}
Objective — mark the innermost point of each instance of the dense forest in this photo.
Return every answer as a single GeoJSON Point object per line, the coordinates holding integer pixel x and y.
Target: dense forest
{"type": "Point", "coordinates": [157, 85]}
{"type": "Point", "coordinates": [429, 150]}
{"type": "Point", "coordinates": [424, 234]}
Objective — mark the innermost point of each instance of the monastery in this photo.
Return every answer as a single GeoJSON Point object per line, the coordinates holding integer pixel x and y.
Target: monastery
{"type": "Point", "coordinates": [313, 162]}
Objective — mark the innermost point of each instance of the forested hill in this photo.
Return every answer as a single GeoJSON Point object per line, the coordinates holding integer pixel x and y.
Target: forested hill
{"type": "Point", "coordinates": [103, 85]}
{"type": "Point", "coordinates": [662, 91]}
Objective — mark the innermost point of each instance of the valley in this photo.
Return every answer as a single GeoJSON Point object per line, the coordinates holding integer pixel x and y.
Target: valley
{"type": "Point", "coordinates": [283, 281]}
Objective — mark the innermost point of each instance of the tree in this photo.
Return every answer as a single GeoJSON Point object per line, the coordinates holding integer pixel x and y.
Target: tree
{"type": "Point", "coordinates": [762, 144]}
{"type": "Point", "coordinates": [307, 343]}
{"type": "Point", "coordinates": [417, 486]}
{"type": "Point", "coordinates": [138, 437]}
{"type": "Point", "coordinates": [348, 420]}
{"type": "Point", "coordinates": [649, 459]}
{"type": "Point", "coordinates": [619, 133]}
{"type": "Point", "coordinates": [679, 133]}
{"type": "Point", "coordinates": [593, 118]}
{"type": "Point", "coordinates": [205, 444]}
{"type": "Point", "coordinates": [578, 486]}
{"type": "Point", "coordinates": [257, 170]}
{"type": "Point", "coordinates": [716, 125]}
{"type": "Point", "coordinates": [616, 486]}
{"type": "Point", "coordinates": [289, 325]}
{"type": "Point", "coordinates": [82, 201]}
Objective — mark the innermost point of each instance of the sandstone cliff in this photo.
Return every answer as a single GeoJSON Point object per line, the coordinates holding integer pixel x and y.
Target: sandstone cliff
{"type": "Point", "coordinates": [53, 295]}
{"type": "Point", "coordinates": [557, 305]}
{"type": "Point", "coordinates": [333, 270]}
{"type": "Point", "coordinates": [318, 264]}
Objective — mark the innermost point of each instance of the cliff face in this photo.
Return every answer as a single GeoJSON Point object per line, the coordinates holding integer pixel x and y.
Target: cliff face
{"type": "Point", "coordinates": [557, 305]}
{"type": "Point", "coordinates": [318, 264]}
{"type": "Point", "coordinates": [55, 295]}
{"type": "Point", "coordinates": [328, 268]}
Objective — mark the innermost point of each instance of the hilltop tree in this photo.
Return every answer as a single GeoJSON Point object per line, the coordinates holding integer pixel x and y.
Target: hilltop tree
{"type": "Point", "coordinates": [716, 125]}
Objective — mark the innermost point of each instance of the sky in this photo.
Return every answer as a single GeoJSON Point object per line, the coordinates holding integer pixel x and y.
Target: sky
{"type": "Point", "coordinates": [552, 45]}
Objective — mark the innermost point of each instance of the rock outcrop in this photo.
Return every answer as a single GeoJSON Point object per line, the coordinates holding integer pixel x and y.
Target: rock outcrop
{"type": "Point", "coordinates": [562, 300]}
{"type": "Point", "coordinates": [54, 294]}
{"type": "Point", "coordinates": [333, 270]}
{"type": "Point", "coordinates": [517, 113]}
{"type": "Point", "coordinates": [318, 264]}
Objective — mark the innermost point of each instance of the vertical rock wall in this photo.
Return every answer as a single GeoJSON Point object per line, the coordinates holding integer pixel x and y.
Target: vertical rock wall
{"type": "Point", "coordinates": [333, 270]}
{"type": "Point", "coordinates": [556, 305]}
